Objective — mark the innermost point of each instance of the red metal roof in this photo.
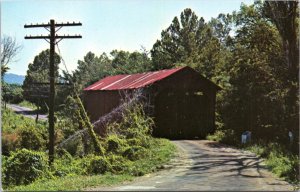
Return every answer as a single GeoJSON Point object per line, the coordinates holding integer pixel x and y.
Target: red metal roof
{"type": "Point", "coordinates": [132, 81]}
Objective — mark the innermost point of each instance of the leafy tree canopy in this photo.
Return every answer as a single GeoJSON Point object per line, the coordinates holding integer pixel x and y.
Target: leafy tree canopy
{"type": "Point", "coordinates": [37, 73]}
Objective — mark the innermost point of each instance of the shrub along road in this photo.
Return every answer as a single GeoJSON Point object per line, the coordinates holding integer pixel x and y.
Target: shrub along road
{"type": "Point", "coordinates": [208, 165]}
{"type": "Point", "coordinates": [27, 112]}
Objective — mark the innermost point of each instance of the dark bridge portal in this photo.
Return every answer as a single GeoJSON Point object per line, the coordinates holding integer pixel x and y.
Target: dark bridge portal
{"type": "Point", "coordinates": [182, 115]}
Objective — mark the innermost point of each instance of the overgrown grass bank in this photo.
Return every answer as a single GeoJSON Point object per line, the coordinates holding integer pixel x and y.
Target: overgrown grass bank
{"type": "Point", "coordinates": [281, 162]}
{"type": "Point", "coordinates": [278, 158]}
{"type": "Point", "coordinates": [160, 153]}
{"type": "Point", "coordinates": [74, 183]}
{"type": "Point", "coordinates": [21, 132]}
{"type": "Point", "coordinates": [128, 151]}
{"type": "Point", "coordinates": [11, 121]}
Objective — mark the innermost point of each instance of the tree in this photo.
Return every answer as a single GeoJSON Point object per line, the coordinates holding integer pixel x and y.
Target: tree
{"type": "Point", "coordinates": [12, 93]}
{"type": "Point", "coordinates": [9, 49]}
{"type": "Point", "coordinates": [255, 100]}
{"type": "Point", "coordinates": [35, 86]}
{"type": "Point", "coordinates": [179, 41]}
{"type": "Point", "coordinates": [188, 41]}
{"type": "Point", "coordinates": [125, 62]}
{"type": "Point", "coordinates": [91, 69]}
{"type": "Point", "coordinates": [285, 15]}
{"type": "Point", "coordinates": [221, 27]}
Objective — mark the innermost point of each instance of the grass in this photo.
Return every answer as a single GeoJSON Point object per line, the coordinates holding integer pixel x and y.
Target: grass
{"type": "Point", "coordinates": [217, 136]}
{"type": "Point", "coordinates": [161, 152]}
{"type": "Point", "coordinates": [74, 183]}
{"type": "Point", "coordinates": [28, 104]}
{"type": "Point", "coordinates": [223, 136]}
{"type": "Point", "coordinates": [278, 159]}
{"type": "Point", "coordinates": [11, 121]}
{"type": "Point", "coordinates": [281, 162]}
{"type": "Point", "coordinates": [130, 153]}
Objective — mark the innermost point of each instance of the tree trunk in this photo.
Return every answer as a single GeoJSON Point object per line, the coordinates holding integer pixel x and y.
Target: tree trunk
{"type": "Point", "coordinates": [37, 114]}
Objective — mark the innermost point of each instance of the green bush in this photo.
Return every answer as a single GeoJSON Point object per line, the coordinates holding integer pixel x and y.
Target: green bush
{"type": "Point", "coordinates": [258, 150]}
{"type": "Point", "coordinates": [23, 167]}
{"type": "Point", "coordinates": [21, 132]}
{"type": "Point", "coordinates": [118, 164]}
{"type": "Point", "coordinates": [134, 153]}
{"type": "Point", "coordinates": [30, 138]}
{"type": "Point", "coordinates": [281, 161]}
{"type": "Point", "coordinates": [75, 146]}
{"type": "Point", "coordinates": [132, 136]}
{"type": "Point", "coordinates": [134, 142]}
{"type": "Point", "coordinates": [143, 140]}
{"type": "Point", "coordinates": [66, 126]}
{"type": "Point", "coordinates": [227, 136]}
{"type": "Point", "coordinates": [98, 165]}
{"type": "Point", "coordinates": [283, 165]}
{"type": "Point", "coordinates": [65, 165]}
{"type": "Point", "coordinates": [28, 104]}
{"type": "Point", "coordinates": [135, 123]}
{"type": "Point", "coordinates": [9, 143]}
{"type": "Point", "coordinates": [115, 143]}
{"type": "Point", "coordinates": [12, 93]}
{"type": "Point", "coordinates": [11, 121]}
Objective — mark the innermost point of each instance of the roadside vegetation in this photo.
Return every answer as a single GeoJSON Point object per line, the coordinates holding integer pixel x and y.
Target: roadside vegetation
{"type": "Point", "coordinates": [28, 104]}
{"type": "Point", "coordinates": [78, 173]}
{"type": "Point", "coordinates": [279, 158]}
{"type": "Point", "coordinates": [21, 132]}
{"type": "Point", "coordinates": [13, 93]}
{"type": "Point", "coordinates": [129, 151]}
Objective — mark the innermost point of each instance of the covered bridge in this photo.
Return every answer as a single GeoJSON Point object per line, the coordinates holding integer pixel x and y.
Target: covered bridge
{"type": "Point", "coordinates": [183, 100]}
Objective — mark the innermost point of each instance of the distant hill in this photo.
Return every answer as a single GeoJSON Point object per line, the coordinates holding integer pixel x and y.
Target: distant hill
{"type": "Point", "coordinates": [13, 78]}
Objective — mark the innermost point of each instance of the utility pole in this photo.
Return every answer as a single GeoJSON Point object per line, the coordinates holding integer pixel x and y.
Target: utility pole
{"type": "Point", "coordinates": [52, 39]}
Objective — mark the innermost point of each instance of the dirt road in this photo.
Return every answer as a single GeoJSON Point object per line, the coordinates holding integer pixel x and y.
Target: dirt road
{"type": "Point", "coordinates": [207, 165]}
{"type": "Point", "coordinates": [27, 112]}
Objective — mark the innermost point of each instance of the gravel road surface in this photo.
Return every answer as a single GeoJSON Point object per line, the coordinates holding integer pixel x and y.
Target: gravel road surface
{"type": "Point", "coordinates": [207, 165]}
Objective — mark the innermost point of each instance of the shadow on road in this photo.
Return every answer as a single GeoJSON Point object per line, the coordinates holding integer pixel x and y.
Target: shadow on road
{"type": "Point", "coordinates": [232, 162]}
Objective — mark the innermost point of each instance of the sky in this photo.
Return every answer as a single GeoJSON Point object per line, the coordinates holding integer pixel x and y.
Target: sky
{"type": "Point", "coordinates": [106, 24]}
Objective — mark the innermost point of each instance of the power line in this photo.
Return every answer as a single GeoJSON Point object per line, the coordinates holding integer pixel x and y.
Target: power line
{"type": "Point", "coordinates": [53, 38]}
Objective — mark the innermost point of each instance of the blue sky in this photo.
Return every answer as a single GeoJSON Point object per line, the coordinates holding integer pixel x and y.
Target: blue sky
{"type": "Point", "coordinates": [107, 24]}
